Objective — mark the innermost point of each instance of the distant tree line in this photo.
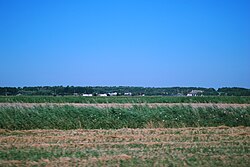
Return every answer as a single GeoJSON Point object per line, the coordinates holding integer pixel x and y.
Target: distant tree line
{"type": "Point", "coordinates": [234, 91]}
{"type": "Point", "coordinates": [148, 91]}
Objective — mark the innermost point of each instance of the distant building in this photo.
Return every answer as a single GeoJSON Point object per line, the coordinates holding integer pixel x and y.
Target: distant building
{"type": "Point", "coordinates": [102, 95]}
{"type": "Point", "coordinates": [195, 93]}
{"type": "Point", "coordinates": [86, 95]}
{"type": "Point", "coordinates": [113, 94]}
{"type": "Point", "coordinates": [128, 94]}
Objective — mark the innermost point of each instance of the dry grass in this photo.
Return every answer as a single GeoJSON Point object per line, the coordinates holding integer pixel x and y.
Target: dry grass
{"type": "Point", "coordinates": [211, 146]}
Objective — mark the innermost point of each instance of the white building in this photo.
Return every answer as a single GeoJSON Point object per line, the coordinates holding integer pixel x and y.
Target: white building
{"type": "Point", "coordinates": [113, 94]}
{"type": "Point", "coordinates": [195, 93]}
{"type": "Point", "coordinates": [86, 95]}
{"type": "Point", "coordinates": [128, 94]}
{"type": "Point", "coordinates": [102, 95]}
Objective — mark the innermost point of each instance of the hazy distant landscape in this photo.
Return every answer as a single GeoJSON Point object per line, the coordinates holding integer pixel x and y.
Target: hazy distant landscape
{"type": "Point", "coordinates": [122, 91]}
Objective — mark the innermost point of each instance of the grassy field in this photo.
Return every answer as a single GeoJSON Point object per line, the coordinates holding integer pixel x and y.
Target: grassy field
{"type": "Point", "coordinates": [48, 134]}
{"type": "Point", "coordinates": [211, 146]}
{"type": "Point", "coordinates": [122, 99]}
{"type": "Point", "coordinates": [70, 117]}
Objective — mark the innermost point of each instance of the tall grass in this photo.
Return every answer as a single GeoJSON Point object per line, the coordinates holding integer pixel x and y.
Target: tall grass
{"type": "Point", "coordinates": [69, 117]}
{"type": "Point", "coordinates": [122, 99]}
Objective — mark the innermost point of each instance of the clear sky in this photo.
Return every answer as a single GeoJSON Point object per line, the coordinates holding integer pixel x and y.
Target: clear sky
{"type": "Point", "coordinates": [151, 43]}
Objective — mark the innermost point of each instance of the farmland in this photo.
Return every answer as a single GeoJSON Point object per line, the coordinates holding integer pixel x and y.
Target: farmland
{"type": "Point", "coordinates": [214, 146]}
{"type": "Point", "coordinates": [124, 131]}
{"type": "Point", "coordinates": [123, 99]}
{"type": "Point", "coordinates": [70, 117]}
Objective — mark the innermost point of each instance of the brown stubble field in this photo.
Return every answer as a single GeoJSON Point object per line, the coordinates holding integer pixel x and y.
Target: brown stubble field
{"type": "Point", "coordinates": [202, 146]}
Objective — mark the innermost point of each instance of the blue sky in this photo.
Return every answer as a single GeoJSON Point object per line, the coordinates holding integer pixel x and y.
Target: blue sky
{"type": "Point", "coordinates": [151, 43]}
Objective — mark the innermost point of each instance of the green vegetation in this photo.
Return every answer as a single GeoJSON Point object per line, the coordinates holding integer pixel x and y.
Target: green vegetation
{"type": "Point", "coordinates": [69, 117]}
{"type": "Point", "coordinates": [142, 135]}
{"type": "Point", "coordinates": [122, 99]}
{"type": "Point", "coordinates": [234, 91]}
